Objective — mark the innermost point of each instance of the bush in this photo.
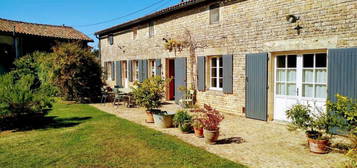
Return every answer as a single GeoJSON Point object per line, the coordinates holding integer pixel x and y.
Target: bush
{"type": "Point", "coordinates": [40, 65]}
{"type": "Point", "coordinates": [209, 117]}
{"type": "Point", "coordinates": [19, 99]}
{"type": "Point", "coordinates": [345, 110]}
{"type": "Point", "coordinates": [77, 73]}
{"type": "Point", "coordinates": [183, 120]}
{"type": "Point", "coordinates": [149, 93]}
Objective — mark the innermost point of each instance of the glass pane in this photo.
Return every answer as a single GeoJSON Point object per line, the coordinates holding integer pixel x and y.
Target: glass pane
{"type": "Point", "coordinates": [221, 83]}
{"type": "Point", "coordinates": [308, 75]}
{"type": "Point", "coordinates": [220, 72]}
{"type": "Point", "coordinates": [308, 60]}
{"type": "Point", "coordinates": [291, 89]}
{"type": "Point", "coordinates": [307, 90]}
{"type": "Point", "coordinates": [292, 75]}
{"type": "Point", "coordinates": [281, 61]}
{"type": "Point", "coordinates": [280, 75]}
{"type": "Point", "coordinates": [291, 61]}
{"type": "Point", "coordinates": [214, 62]}
{"type": "Point", "coordinates": [280, 88]}
{"type": "Point", "coordinates": [321, 91]}
{"type": "Point", "coordinates": [321, 76]}
{"type": "Point", "coordinates": [220, 62]}
{"type": "Point", "coordinates": [321, 60]}
{"type": "Point", "coordinates": [213, 82]}
{"type": "Point", "coordinates": [214, 72]}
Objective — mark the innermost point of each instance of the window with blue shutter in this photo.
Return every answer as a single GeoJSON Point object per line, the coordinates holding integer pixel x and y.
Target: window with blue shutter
{"type": "Point", "coordinates": [201, 74]}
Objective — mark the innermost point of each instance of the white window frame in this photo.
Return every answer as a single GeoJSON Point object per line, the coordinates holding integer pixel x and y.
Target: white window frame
{"type": "Point", "coordinates": [135, 70]}
{"type": "Point", "coordinates": [152, 68]}
{"type": "Point", "coordinates": [217, 73]}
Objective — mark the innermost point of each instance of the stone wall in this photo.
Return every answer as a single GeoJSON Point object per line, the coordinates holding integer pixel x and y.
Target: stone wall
{"type": "Point", "coordinates": [248, 26]}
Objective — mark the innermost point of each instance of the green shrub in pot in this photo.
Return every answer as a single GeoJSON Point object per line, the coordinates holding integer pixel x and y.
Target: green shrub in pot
{"type": "Point", "coordinates": [183, 120]}
{"type": "Point", "coordinates": [315, 124]}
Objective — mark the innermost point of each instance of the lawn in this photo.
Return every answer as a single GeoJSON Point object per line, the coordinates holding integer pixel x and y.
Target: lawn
{"type": "Point", "coordinates": [83, 136]}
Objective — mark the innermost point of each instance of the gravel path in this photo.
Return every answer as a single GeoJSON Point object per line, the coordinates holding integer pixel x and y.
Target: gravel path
{"type": "Point", "coordinates": [253, 143]}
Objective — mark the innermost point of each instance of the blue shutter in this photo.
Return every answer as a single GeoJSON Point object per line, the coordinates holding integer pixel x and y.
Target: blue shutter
{"type": "Point", "coordinates": [228, 74]}
{"type": "Point", "coordinates": [158, 67]}
{"type": "Point", "coordinates": [256, 86]}
{"type": "Point", "coordinates": [113, 71]}
{"type": "Point", "coordinates": [145, 69]}
{"type": "Point", "coordinates": [140, 64]}
{"type": "Point", "coordinates": [180, 77]}
{"type": "Point", "coordinates": [118, 79]}
{"type": "Point", "coordinates": [342, 73]}
{"type": "Point", "coordinates": [201, 73]}
{"type": "Point", "coordinates": [130, 70]}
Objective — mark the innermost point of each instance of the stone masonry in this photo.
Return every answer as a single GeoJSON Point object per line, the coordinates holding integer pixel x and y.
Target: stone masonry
{"type": "Point", "coordinates": [246, 26]}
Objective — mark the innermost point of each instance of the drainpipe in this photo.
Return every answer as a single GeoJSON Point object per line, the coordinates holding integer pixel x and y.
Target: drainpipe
{"type": "Point", "coordinates": [99, 48]}
{"type": "Point", "coordinates": [14, 41]}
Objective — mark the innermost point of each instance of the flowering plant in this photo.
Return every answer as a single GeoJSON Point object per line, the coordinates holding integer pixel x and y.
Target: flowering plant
{"type": "Point", "coordinates": [209, 117]}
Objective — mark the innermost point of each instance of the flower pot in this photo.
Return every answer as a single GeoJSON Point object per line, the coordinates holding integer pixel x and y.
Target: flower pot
{"type": "Point", "coordinates": [198, 132]}
{"type": "Point", "coordinates": [149, 117]}
{"type": "Point", "coordinates": [211, 136]}
{"type": "Point", "coordinates": [186, 128]}
{"type": "Point", "coordinates": [318, 146]}
{"type": "Point", "coordinates": [163, 120]}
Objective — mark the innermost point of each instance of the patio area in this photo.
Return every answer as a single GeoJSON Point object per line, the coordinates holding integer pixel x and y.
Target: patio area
{"type": "Point", "coordinates": [250, 142]}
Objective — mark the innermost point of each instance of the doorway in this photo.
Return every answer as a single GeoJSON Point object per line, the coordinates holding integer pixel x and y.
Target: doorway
{"type": "Point", "coordinates": [170, 73]}
{"type": "Point", "coordinates": [300, 79]}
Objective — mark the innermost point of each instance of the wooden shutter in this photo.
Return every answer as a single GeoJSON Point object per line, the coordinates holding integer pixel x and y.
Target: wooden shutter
{"type": "Point", "coordinates": [118, 80]}
{"type": "Point", "coordinates": [158, 67]}
{"type": "Point", "coordinates": [228, 74]}
{"type": "Point", "coordinates": [106, 70]}
{"type": "Point", "coordinates": [145, 69]}
{"type": "Point", "coordinates": [256, 86]}
{"type": "Point", "coordinates": [180, 77]}
{"type": "Point", "coordinates": [113, 71]}
{"type": "Point", "coordinates": [342, 73]}
{"type": "Point", "coordinates": [140, 64]}
{"type": "Point", "coordinates": [201, 73]}
{"type": "Point", "coordinates": [130, 70]}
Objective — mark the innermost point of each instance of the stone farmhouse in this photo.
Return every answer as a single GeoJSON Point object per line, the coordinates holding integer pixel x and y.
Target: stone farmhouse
{"type": "Point", "coordinates": [254, 58]}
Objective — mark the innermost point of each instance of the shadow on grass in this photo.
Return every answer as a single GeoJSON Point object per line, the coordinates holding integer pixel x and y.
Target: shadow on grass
{"type": "Point", "coordinates": [40, 122]}
{"type": "Point", "coordinates": [236, 140]}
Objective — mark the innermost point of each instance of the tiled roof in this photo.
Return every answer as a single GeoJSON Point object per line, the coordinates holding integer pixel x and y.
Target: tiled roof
{"type": "Point", "coordinates": [63, 32]}
{"type": "Point", "coordinates": [182, 5]}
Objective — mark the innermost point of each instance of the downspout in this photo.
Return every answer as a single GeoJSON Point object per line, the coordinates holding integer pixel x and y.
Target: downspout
{"type": "Point", "coordinates": [14, 41]}
{"type": "Point", "coordinates": [99, 48]}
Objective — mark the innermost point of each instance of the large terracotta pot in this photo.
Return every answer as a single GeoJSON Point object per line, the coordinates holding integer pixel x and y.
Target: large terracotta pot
{"type": "Point", "coordinates": [149, 117]}
{"type": "Point", "coordinates": [318, 146]}
{"type": "Point", "coordinates": [198, 132]}
{"type": "Point", "coordinates": [211, 136]}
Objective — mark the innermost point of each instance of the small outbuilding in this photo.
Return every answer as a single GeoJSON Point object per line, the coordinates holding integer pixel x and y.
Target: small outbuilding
{"type": "Point", "coordinates": [20, 38]}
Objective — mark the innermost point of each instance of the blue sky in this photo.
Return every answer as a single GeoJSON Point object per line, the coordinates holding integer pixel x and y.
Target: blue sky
{"type": "Point", "coordinates": [79, 14]}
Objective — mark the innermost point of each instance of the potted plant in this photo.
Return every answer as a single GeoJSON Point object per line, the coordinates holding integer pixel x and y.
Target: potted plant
{"type": "Point", "coordinates": [315, 125]}
{"type": "Point", "coordinates": [197, 127]}
{"type": "Point", "coordinates": [163, 119]}
{"type": "Point", "coordinates": [183, 120]}
{"type": "Point", "coordinates": [148, 94]}
{"type": "Point", "coordinates": [210, 119]}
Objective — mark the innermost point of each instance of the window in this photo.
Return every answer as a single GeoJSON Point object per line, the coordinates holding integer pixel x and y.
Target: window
{"type": "Point", "coordinates": [108, 70]}
{"type": "Point", "coordinates": [286, 75]}
{"type": "Point", "coordinates": [135, 33]}
{"type": "Point", "coordinates": [124, 70]}
{"type": "Point", "coordinates": [135, 70]}
{"type": "Point", "coordinates": [214, 14]}
{"type": "Point", "coordinates": [152, 71]}
{"type": "Point", "coordinates": [151, 29]}
{"type": "Point", "coordinates": [314, 83]}
{"type": "Point", "coordinates": [216, 73]}
{"type": "Point", "coordinates": [110, 39]}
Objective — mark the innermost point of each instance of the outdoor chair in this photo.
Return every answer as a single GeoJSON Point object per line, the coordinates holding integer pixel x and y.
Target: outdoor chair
{"type": "Point", "coordinates": [187, 99]}
{"type": "Point", "coordinates": [104, 95]}
{"type": "Point", "coordinates": [117, 96]}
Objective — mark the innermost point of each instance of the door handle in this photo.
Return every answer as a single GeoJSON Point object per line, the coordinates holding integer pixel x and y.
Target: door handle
{"type": "Point", "coordinates": [297, 91]}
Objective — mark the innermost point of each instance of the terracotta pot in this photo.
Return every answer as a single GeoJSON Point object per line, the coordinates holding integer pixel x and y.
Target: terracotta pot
{"type": "Point", "coordinates": [149, 117]}
{"type": "Point", "coordinates": [318, 146]}
{"type": "Point", "coordinates": [211, 136]}
{"type": "Point", "coordinates": [198, 132]}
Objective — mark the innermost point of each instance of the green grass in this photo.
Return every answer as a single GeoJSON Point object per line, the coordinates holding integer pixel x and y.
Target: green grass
{"type": "Point", "coordinates": [84, 136]}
